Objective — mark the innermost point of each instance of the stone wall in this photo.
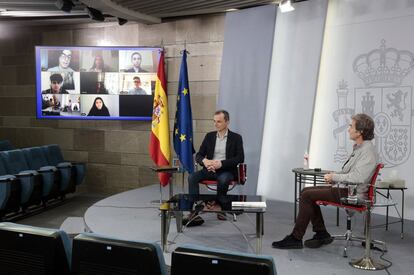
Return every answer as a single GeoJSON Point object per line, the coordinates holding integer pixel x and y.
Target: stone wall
{"type": "Point", "coordinates": [116, 152]}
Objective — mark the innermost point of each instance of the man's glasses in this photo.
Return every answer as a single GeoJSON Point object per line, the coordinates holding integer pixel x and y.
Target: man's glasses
{"type": "Point", "coordinates": [56, 82]}
{"type": "Point", "coordinates": [137, 81]}
{"type": "Point", "coordinates": [65, 56]}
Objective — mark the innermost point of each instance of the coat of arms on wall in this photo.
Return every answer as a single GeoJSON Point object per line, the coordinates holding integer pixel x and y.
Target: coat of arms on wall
{"type": "Point", "coordinates": [385, 98]}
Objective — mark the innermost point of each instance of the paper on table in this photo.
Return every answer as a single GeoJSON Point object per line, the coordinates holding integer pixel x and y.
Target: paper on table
{"type": "Point", "coordinates": [249, 204]}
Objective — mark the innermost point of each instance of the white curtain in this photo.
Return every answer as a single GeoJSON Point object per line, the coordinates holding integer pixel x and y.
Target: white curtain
{"type": "Point", "coordinates": [292, 88]}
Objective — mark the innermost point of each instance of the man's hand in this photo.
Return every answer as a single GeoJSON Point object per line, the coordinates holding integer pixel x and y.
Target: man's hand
{"type": "Point", "coordinates": [209, 164]}
{"type": "Point", "coordinates": [217, 164]}
{"type": "Point", "coordinates": [212, 165]}
{"type": "Point", "coordinates": [328, 177]}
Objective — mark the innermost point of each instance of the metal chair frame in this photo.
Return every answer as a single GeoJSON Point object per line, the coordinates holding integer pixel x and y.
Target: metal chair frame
{"type": "Point", "coordinates": [241, 179]}
{"type": "Point", "coordinates": [366, 262]}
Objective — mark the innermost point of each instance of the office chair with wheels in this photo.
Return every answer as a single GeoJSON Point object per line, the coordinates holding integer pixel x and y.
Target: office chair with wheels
{"type": "Point", "coordinates": [364, 207]}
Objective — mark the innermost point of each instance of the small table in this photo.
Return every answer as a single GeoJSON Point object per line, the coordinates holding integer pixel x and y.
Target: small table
{"type": "Point", "coordinates": [184, 202]}
{"type": "Point", "coordinates": [308, 176]}
{"type": "Point", "coordinates": [166, 169]}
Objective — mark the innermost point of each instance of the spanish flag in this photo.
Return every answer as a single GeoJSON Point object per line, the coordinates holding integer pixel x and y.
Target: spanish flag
{"type": "Point", "coordinates": [159, 146]}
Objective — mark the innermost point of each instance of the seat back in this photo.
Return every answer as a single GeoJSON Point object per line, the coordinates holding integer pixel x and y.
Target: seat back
{"type": "Point", "coordinates": [33, 250]}
{"type": "Point", "coordinates": [10, 190]}
{"type": "Point", "coordinates": [15, 161]}
{"type": "Point", "coordinates": [3, 169]}
{"type": "Point", "coordinates": [5, 145]}
{"type": "Point", "coordinates": [371, 190]}
{"type": "Point", "coordinates": [35, 157]}
{"type": "Point", "coordinates": [53, 154]}
{"type": "Point", "coordinates": [193, 259]}
{"type": "Point", "coordinates": [242, 172]}
{"type": "Point", "coordinates": [97, 254]}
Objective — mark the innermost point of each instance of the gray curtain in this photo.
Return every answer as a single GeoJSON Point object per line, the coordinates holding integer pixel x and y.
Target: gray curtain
{"type": "Point", "coordinates": [247, 52]}
{"type": "Point", "coordinates": [292, 90]}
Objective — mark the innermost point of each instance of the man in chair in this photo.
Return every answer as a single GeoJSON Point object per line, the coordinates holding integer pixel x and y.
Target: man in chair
{"type": "Point", "coordinates": [358, 169]}
{"type": "Point", "coordinates": [219, 155]}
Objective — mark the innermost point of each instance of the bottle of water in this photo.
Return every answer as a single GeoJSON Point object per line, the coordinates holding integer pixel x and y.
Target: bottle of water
{"type": "Point", "coordinates": [306, 160]}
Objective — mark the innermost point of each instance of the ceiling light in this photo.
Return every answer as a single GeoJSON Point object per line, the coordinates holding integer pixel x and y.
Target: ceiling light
{"type": "Point", "coordinates": [64, 5]}
{"type": "Point", "coordinates": [122, 21]}
{"type": "Point", "coordinates": [286, 6]}
{"type": "Point", "coordinates": [95, 14]}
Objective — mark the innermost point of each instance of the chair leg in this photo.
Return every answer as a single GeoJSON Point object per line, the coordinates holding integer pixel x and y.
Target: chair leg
{"type": "Point", "coordinates": [234, 217]}
{"type": "Point", "coordinates": [366, 262]}
{"type": "Point", "coordinates": [348, 236]}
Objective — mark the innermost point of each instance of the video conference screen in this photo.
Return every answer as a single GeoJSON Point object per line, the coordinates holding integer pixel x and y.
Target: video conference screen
{"type": "Point", "coordinates": [105, 83]}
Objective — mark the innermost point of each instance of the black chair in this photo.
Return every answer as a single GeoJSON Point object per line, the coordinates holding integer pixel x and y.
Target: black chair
{"type": "Point", "coordinates": [193, 259]}
{"type": "Point", "coordinates": [96, 254]}
{"type": "Point", "coordinates": [32, 250]}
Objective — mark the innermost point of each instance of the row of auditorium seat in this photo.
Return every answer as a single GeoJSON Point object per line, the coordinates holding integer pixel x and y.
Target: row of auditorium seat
{"type": "Point", "coordinates": [34, 250]}
{"type": "Point", "coordinates": [33, 177]}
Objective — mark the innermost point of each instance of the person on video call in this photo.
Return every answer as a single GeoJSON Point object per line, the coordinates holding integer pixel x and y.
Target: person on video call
{"type": "Point", "coordinates": [56, 81]}
{"type": "Point", "coordinates": [100, 88]}
{"type": "Point", "coordinates": [219, 154]}
{"type": "Point", "coordinates": [64, 62]}
{"type": "Point", "coordinates": [137, 90]}
{"type": "Point", "coordinates": [98, 65]}
{"type": "Point", "coordinates": [136, 60]}
{"type": "Point", "coordinates": [98, 108]}
{"type": "Point", "coordinates": [358, 169]}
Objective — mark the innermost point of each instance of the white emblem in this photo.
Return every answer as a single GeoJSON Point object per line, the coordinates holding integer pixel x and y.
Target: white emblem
{"type": "Point", "coordinates": [384, 98]}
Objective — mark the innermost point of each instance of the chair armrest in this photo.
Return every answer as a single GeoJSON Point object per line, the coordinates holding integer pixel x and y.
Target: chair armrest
{"type": "Point", "coordinates": [7, 178]}
{"type": "Point", "coordinates": [64, 164]}
{"type": "Point", "coordinates": [47, 169]}
{"type": "Point", "coordinates": [26, 173]}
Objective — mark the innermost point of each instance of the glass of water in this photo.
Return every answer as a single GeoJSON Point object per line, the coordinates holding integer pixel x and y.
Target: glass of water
{"type": "Point", "coordinates": [352, 194]}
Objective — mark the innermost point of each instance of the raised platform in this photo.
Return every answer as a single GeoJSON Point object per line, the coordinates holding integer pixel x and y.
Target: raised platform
{"type": "Point", "coordinates": [131, 215]}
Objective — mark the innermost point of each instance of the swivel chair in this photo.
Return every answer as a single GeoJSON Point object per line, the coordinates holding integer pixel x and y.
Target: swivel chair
{"type": "Point", "coordinates": [364, 207]}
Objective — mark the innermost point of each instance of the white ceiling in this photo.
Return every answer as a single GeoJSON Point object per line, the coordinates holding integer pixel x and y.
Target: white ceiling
{"type": "Point", "coordinates": [144, 11]}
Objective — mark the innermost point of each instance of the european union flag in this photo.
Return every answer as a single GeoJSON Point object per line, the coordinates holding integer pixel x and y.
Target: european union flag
{"type": "Point", "coordinates": [183, 123]}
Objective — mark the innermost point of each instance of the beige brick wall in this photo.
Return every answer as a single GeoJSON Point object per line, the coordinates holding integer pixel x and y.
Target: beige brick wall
{"type": "Point", "coordinates": [116, 152]}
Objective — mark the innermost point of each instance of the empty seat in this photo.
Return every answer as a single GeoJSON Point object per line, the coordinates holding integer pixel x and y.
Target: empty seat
{"type": "Point", "coordinates": [33, 250]}
{"type": "Point", "coordinates": [9, 192]}
{"type": "Point", "coordinates": [36, 160]}
{"type": "Point", "coordinates": [96, 254]}
{"type": "Point", "coordinates": [55, 158]}
{"type": "Point", "coordinates": [193, 259]}
{"type": "Point", "coordinates": [5, 145]}
{"type": "Point", "coordinates": [30, 180]}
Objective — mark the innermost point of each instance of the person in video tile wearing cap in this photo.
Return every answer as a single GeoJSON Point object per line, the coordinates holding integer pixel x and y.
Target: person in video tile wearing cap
{"type": "Point", "coordinates": [56, 81]}
{"type": "Point", "coordinates": [64, 62]}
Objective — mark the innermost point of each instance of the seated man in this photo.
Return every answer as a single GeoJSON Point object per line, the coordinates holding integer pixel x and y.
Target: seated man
{"type": "Point", "coordinates": [219, 155]}
{"type": "Point", "coordinates": [358, 169]}
{"type": "Point", "coordinates": [56, 81]}
{"type": "Point", "coordinates": [137, 90]}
